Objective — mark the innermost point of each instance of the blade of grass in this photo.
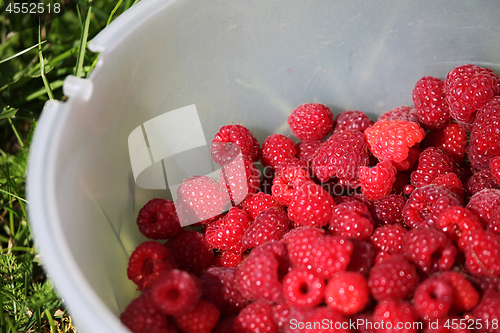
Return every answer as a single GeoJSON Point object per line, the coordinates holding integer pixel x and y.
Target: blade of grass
{"type": "Point", "coordinates": [22, 52]}
{"type": "Point", "coordinates": [83, 41]}
{"type": "Point", "coordinates": [51, 321]}
{"type": "Point", "coordinates": [15, 132]}
{"type": "Point", "coordinates": [42, 65]}
{"type": "Point", "coordinates": [13, 195]}
{"type": "Point", "coordinates": [18, 249]}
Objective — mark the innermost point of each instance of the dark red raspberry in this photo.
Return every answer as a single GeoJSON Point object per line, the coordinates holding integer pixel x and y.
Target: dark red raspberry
{"type": "Point", "coordinates": [377, 182]}
{"type": "Point", "coordinates": [485, 135]}
{"type": "Point", "coordinates": [488, 310]}
{"type": "Point", "coordinates": [430, 102]}
{"type": "Point", "coordinates": [468, 88]}
{"type": "Point", "coordinates": [429, 249]}
{"type": "Point", "coordinates": [200, 319]}
{"type": "Point", "coordinates": [330, 254]}
{"type": "Point", "coordinates": [362, 256]}
{"type": "Point", "coordinates": [479, 181]}
{"type": "Point", "coordinates": [240, 177]}
{"type": "Point", "coordinates": [311, 121]}
{"type": "Point", "coordinates": [451, 138]}
{"type": "Point", "coordinates": [141, 315]}
{"type": "Point", "coordinates": [229, 258]}
{"type": "Point", "coordinates": [351, 220]}
{"type": "Point", "coordinates": [310, 205]}
{"type": "Point", "coordinates": [485, 205]}
{"type": "Point", "coordinates": [257, 277]}
{"type": "Point", "coordinates": [259, 202]}
{"type": "Point", "coordinates": [303, 288]}
{"type": "Point", "coordinates": [495, 169]}
{"type": "Point", "coordinates": [277, 149]}
{"type": "Point", "coordinates": [281, 315]}
{"type": "Point", "coordinates": [267, 180]}
{"type": "Point", "coordinates": [347, 292]}
{"type": "Point", "coordinates": [398, 317]}
{"type": "Point", "coordinates": [433, 298]}
{"type": "Point", "coordinates": [352, 120]}
{"type": "Point", "coordinates": [465, 296]}
{"type": "Point", "coordinates": [218, 286]}
{"type": "Point", "coordinates": [451, 182]}
{"type": "Point", "coordinates": [148, 261]}
{"type": "Point", "coordinates": [158, 219]}
{"type": "Point", "coordinates": [306, 150]}
{"type": "Point", "coordinates": [191, 251]}
{"type": "Point", "coordinates": [404, 112]}
{"type": "Point", "coordinates": [228, 231]}
{"type": "Point", "coordinates": [341, 156]}
{"type": "Point", "coordinates": [388, 209]}
{"type": "Point", "coordinates": [482, 252]}
{"type": "Point", "coordinates": [288, 178]}
{"type": "Point", "coordinates": [391, 139]}
{"type": "Point", "coordinates": [236, 134]}
{"type": "Point", "coordinates": [457, 222]}
{"type": "Point", "coordinates": [255, 317]}
{"type": "Point", "coordinates": [299, 243]}
{"type": "Point", "coordinates": [394, 277]}
{"type": "Point", "coordinates": [425, 204]}
{"type": "Point", "coordinates": [389, 238]}
{"type": "Point", "coordinates": [269, 225]}
{"type": "Point", "coordinates": [432, 163]}
{"type": "Point", "coordinates": [176, 292]}
{"type": "Point", "coordinates": [200, 198]}
{"type": "Point", "coordinates": [225, 325]}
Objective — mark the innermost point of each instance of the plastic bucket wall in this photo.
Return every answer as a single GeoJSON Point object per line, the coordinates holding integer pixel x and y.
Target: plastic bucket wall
{"type": "Point", "coordinates": [247, 62]}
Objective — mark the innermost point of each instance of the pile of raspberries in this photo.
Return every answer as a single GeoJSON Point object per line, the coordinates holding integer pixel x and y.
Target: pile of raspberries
{"type": "Point", "coordinates": [393, 221]}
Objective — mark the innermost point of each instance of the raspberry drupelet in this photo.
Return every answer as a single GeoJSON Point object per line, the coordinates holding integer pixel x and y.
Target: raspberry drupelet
{"type": "Point", "coordinates": [430, 102]}
{"type": "Point", "coordinates": [235, 134]}
{"type": "Point", "coordinates": [310, 122]}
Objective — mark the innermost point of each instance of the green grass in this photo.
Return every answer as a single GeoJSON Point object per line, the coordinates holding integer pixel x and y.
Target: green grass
{"type": "Point", "coordinates": [33, 65]}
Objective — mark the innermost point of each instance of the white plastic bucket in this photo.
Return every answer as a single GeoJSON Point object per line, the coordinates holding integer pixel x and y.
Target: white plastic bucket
{"type": "Point", "coordinates": [247, 62]}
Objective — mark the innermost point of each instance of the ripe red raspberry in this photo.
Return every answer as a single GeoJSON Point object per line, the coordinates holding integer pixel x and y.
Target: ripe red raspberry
{"type": "Point", "coordinates": [429, 249]}
{"type": "Point", "coordinates": [269, 225]}
{"type": "Point", "coordinates": [352, 120]}
{"type": "Point", "coordinates": [281, 315]}
{"type": "Point", "coordinates": [351, 220]}
{"type": "Point", "coordinates": [457, 222]}
{"type": "Point", "coordinates": [200, 319]}
{"type": "Point", "coordinates": [389, 238]}
{"type": "Point", "coordinates": [433, 298]}
{"type": "Point", "coordinates": [235, 134]}
{"type": "Point", "coordinates": [322, 319]}
{"type": "Point", "coordinates": [432, 163]}
{"type": "Point", "coordinates": [176, 292]}
{"type": "Point", "coordinates": [257, 277]}
{"type": "Point", "coordinates": [303, 288]}
{"type": "Point", "coordinates": [430, 102]}
{"type": "Point", "coordinates": [191, 251]}
{"type": "Point", "coordinates": [255, 317]}
{"type": "Point", "coordinates": [392, 139]}
{"type": "Point", "coordinates": [394, 277]}
{"type": "Point", "coordinates": [158, 219]}
{"type": "Point", "coordinates": [425, 204]}
{"type": "Point", "coordinates": [148, 261]}
{"type": "Point", "coordinates": [451, 182]}
{"type": "Point", "coordinates": [451, 138]}
{"type": "Point", "coordinates": [229, 258]}
{"type": "Point", "coordinates": [347, 292]}
{"type": "Point", "coordinates": [306, 150]}
{"type": "Point", "coordinates": [311, 121]}
{"type": "Point", "coordinates": [259, 202]}
{"type": "Point", "coordinates": [487, 310]}
{"type": "Point", "coordinates": [218, 286]}
{"type": "Point", "coordinates": [495, 169]}
{"type": "Point", "coordinates": [240, 177]}
{"type": "Point", "coordinates": [310, 205]}
{"type": "Point", "coordinates": [200, 198]}
{"type": "Point", "coordinates": [408, 163]}
{"type": "Point", "coordinates": [330, 254]}
{"type": "Point", "coordinates": [299, 242]}
{"type": "Point", "coordinates": [479, 181]}
{"type": "Point", "coordinates": [362, 256]}
{"type": "Point", "coordinates": [388, 209]}
{"type": "Point", "coordinates": [465, 296]}
{"type": "Point", "coordinates": [141, 315]}
{"type": "Point", "coordinates": [277, 149]}
{"type": "Point", "coordinates": [398, 317]}
{"type": "Point", "coordinates": [228, 231]}
{"type": "Point", "coordinates": [377, 182]}
{"type": "Point", "coordinates": [468, 88]}
{"type": "Point", "coordinates": [485, 135]}
{"type": "Point", "coordinates": [482, 252]}
{"type": "Point", "coordinates": [341, 156]}
{"type": "Point", "coordinates": [288, 177]}
{"type": "Point", "coordinates": [404, 112]}
{"type": "Point", "coordinates": [485, 205]}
